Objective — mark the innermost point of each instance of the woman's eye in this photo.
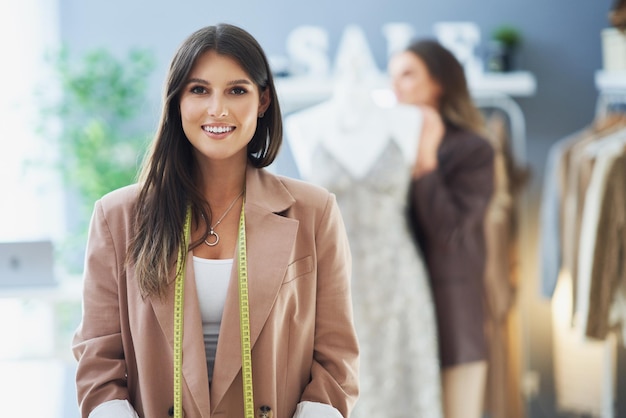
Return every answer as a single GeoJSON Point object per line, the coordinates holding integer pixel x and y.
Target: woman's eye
{"type": "Point", "coordinates": [239, 91]}
{"type": "Point", "coordinates": [198, 90]}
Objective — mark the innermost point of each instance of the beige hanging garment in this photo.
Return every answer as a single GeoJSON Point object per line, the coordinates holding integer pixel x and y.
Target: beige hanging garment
{"type": "Point", "coordinates": [503, 394]}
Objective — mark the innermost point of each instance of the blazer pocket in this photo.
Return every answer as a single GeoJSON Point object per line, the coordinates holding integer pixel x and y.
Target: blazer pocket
{"type": "Point", "coordinates": [299, 268]}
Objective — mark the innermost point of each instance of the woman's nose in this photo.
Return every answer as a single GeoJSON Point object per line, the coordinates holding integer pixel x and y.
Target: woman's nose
{"type": "Point", "coordinates": [217, 107]}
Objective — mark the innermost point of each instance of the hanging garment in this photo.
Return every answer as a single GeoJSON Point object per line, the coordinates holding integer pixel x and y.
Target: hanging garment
{"type": "Point", "coordinates": [585, 367]}
{"type": "Point", "coordinates": [577, 179]}
{"type": "Point", "coordinates": [594, 161]}
{"type": "Point", "coordinates": [603, 245]}
{"type": "Point", "coordinates": [561, 202]}
{"type": "Point", "coordinates": [503, 395]}
{"type": "Point", "coordinates": [393, 309]}
{"type": "Point", "coordinates": [550, 251]}
{"type": "Point", "coordinates": [580, 167]}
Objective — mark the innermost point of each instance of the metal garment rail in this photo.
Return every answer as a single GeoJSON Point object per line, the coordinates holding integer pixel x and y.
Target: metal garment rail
{"type": "Point", "coordinates": [517, 122]}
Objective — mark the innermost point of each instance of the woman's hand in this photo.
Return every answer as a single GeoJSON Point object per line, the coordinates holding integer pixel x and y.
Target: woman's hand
{"type": "Point", "coordinates": [431, 137]}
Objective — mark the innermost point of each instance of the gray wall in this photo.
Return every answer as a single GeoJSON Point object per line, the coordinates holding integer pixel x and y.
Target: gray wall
{"type": "Point", "coordinates": [561, 38]}
{"type": "Point", "coordinates": [562, 47]}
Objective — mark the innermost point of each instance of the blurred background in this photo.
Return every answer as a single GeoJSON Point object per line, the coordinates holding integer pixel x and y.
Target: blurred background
{"type": "Point", "coordinates": [80, 90]}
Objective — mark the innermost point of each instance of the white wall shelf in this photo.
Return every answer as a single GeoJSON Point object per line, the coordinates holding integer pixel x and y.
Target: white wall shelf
{"type": "Point", "coordinates": [494, 90]}
{"type": "Point", "coordinates": [607, 81]}
{"type": "Point", "coordinates": [299, 92]}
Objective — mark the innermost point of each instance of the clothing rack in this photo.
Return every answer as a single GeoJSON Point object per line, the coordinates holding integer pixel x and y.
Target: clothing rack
{"type": "Point", "coordinates": [611, 98]}
{"type": "Point", "coordinates": [517, 122]}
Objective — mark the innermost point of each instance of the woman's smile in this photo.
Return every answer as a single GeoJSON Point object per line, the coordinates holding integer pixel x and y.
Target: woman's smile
{"type": "Point", "coordinates": [218, 131]}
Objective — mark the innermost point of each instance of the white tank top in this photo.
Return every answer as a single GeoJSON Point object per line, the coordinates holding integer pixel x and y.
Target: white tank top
{"type": "Point", "coordinates": [212, 277]}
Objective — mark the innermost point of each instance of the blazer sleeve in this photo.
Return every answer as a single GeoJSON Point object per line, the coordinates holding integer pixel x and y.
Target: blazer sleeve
{"type": "Point", "coordinates": [448, 205]}
{"type": "Point", "coordinates": [334, 373]}
{"type": "Point", "coordinates": [97, 343]}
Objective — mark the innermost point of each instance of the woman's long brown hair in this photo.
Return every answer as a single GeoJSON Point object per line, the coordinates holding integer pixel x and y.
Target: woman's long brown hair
{"type": "Point", "coordinates": [167, 178]}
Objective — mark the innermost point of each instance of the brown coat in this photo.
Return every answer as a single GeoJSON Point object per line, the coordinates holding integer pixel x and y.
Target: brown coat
{"type": "Point", "coordinates": [304, 346]}
{"type": "Point", "coordinates": [608, 272]}
{"type": "Point", "coordinates": [447, 210]}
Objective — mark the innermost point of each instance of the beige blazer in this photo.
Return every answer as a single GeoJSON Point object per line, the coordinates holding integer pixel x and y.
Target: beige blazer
{"type": "Point", "coordinates": [304, 346]}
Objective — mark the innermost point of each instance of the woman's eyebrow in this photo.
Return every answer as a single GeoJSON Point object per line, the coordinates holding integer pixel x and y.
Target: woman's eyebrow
{"type": "Point", "coordinates": [240, 81]}
{"type": "Point", "coordinates": [230, 83]}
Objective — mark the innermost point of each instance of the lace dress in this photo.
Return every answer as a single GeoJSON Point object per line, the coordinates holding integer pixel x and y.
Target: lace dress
{"type": "Point", "coordinates": [393, 309]}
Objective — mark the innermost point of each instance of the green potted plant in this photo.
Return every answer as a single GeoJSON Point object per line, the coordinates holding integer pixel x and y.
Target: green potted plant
{"type": "Point", "coordinates": [505, 42]}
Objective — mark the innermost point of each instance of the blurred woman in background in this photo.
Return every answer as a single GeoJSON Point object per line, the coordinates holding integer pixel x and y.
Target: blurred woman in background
{"type": "Point", "coordinates": [451, 188]}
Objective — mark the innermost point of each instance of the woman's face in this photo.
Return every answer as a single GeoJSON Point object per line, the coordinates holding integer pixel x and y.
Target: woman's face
{"type": "Point", "coordinates": [219, 107]}
{"type": "Point", "coordinates": [411, 81]}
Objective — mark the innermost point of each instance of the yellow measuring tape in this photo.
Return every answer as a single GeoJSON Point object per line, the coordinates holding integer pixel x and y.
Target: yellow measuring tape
{"type": "Point", "coordinates": [178, 317]}
{"type": "Point", "coordinates": [244, 319]}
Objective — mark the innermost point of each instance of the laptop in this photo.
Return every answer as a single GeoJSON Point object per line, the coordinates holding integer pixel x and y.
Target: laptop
{"type": "Point", "coordinates": [27, 263]}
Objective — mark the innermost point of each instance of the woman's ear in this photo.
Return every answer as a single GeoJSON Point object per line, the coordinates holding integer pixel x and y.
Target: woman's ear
{"type": "Point", "coordinates": [264, 101]}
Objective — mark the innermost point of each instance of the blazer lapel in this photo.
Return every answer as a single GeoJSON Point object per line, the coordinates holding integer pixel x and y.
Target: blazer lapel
{"type": "Point", "coordinates": [270, 238]}
{"type": "Point", "coordinates": [195, 374]}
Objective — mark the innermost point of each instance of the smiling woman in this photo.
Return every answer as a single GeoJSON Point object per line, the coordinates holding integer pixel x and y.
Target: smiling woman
{"type": "Point", "coordinates": [211, 271]}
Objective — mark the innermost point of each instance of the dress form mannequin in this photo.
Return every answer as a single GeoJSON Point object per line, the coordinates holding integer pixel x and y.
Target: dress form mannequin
{"type": "Point", "coordinates": [351, 125]}
{"type": "Point", "coordinates": [364, 154]}
{"type": "Point", "coordinates": [354, 129]}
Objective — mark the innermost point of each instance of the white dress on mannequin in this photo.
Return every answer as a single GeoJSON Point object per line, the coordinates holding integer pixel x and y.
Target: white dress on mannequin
{"type": "Point", "coordinates": [364, 153]}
